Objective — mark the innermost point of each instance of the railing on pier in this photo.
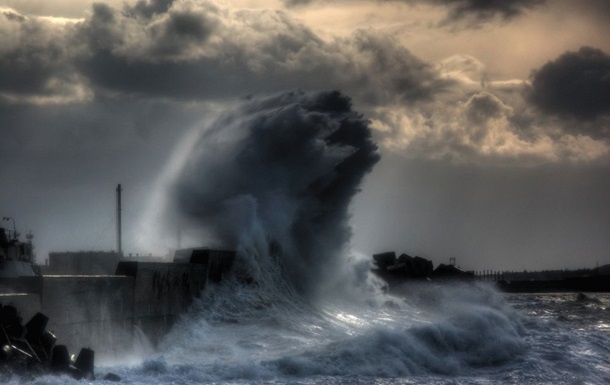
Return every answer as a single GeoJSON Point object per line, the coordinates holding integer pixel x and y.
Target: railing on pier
{"type": "Point", "coordinates": [544, 275]}
{"type": "Point", "coordinates": [489, 275]}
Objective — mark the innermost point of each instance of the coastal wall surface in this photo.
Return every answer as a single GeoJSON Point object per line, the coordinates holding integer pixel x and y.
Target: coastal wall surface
{"type": "Point", "coordinates": [21, 285]}
{"type": "Point", "coordinates": [90, 311]}
{"type": "Point", "coordinates": [82, 263]}
{"type": "Point", "coordinates": [216, 262]}
{"type": "Point", "coordinates": [108, 312]}
{"type": "Point", "coordinates": [163, 291]}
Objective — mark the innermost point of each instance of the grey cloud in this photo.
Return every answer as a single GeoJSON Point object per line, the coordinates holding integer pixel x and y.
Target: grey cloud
{"type": "Point", "coordinates": [187, 26]}
{"type": "Point", "coordinates": [483, 10]}
{"type": "Point", "coordinates": [34, 58]}
{"type": "Point", "coordinates": [198, 51]}
{"type": "Point", "coordinates": [576, 84]}
{"type": "Point", "coordinates": [293, 3]}
{"type": "Point", "coordinates": [149, 8]}
{"type": "Point", "coordinates": [484, 106]}
{"type": "Point", "coordinates": [14, 16]}
{"type": "Point", "coordinates": [202, 79]}
{"type": "Point", "coordinates": [490, 127]}
{"type": "Point", "coordinates": [58, 160]}
{"type": "Point", "coordinates": [398, 70]}
{"type": "Point", "coordinates": [203, 53]}
{"type": "Point", "coordinates": [473, 12]}
{"type": "Point", "coordinates": [102, 32]}
{"type": "Point", "coordinates": [180, 31]}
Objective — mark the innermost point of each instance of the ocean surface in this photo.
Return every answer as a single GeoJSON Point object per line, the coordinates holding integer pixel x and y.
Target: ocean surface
{"type": "Point", "coordinates": [450, 334]}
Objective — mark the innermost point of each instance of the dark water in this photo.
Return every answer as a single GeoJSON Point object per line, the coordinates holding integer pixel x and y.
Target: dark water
{"type": "Point", "coordinates": [435, 335]}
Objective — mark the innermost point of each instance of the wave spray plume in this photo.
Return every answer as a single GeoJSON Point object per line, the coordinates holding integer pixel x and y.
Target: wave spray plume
{"type": "Point", "coordinates": [273, 179]}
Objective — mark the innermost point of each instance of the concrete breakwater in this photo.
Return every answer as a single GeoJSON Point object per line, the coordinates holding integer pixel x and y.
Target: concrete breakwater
{"type": "Point", "coordinates": [396, 271]}
{"type": "Point", "coordinates": [107, 311]}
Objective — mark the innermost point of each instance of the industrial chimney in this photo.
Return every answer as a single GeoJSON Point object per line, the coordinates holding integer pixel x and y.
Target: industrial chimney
{"type": "Point", "coordinates": [118, 220]}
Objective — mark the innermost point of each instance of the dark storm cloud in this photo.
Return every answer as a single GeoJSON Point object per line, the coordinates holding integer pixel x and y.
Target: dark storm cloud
{"type": "Point", "coordinates": [198, 51]}
{"type": "Point", "coordinates": [57, 135]}
{"type": "Point", "coordinates": [34, 59]}
{"type": "Point", "coordinates": [203, 53]}
{"type": "Point", "coordinates": [88, 104]}
{"type": "Point", "coordinates": [576, 84]}
{"type": "Point", "coordinates": [188, 26]}
{"type": "Point", "coordinates": [474, 12]}
{"type": "Point", "coordinates": [484, 106]}
{"type": "Point", "coordinates": [170, 36]}
{"type": "Point", "coordinates": [181, 30]}
{"type": "Point", "coordinates": [484, 10]}
{"type": "Point", "coordinates": [399, 71]}
{"type": "Point", "coordinates": [102, 29]}
{"type": "Point", "coordinates": [149, 8]}
{"type": "Point", "coordinates": [202, 79]}
{"type": "Point", "coordinates": [61, 84]}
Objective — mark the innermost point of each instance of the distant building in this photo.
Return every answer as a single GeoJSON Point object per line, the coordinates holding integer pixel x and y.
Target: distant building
{"type": "Point", "coordinates": [82, 263]}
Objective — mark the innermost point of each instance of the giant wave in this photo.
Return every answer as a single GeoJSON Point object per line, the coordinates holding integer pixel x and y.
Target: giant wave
{"type": "Point", "coordinates": [273, 178]}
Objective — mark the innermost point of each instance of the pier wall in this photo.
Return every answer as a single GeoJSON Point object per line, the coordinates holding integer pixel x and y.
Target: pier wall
{"type": "Point", "coordinates": [82, 263]}
{"type": "Point", "coordinates": [107, 312]}
{"type": "Point", "coordinates": [90, 311]}
{"type": "Point", "coordinates": [162, 292]}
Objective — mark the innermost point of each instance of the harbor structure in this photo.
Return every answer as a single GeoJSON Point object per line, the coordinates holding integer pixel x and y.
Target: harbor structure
{"type": "Point", "coordinates": [103, 299]}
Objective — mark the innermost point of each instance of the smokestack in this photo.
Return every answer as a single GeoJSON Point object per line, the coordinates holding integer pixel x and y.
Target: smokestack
{"type": "Point", "coordinates": [178, 236]}
{"type": "Point", "coordinates": [118, 220]}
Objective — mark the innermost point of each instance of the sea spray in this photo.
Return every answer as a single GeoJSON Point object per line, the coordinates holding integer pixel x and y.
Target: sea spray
{"type": "Point", "coordinates": [273, 178]}
{"type": "Point", "coordinates": [459, 327]}
{"type": "Point", "coordinates": [450, 330]}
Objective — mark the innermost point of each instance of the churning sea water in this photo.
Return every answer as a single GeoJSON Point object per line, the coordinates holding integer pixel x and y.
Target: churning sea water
{"type": "Point", "coordinates": [448, 334]}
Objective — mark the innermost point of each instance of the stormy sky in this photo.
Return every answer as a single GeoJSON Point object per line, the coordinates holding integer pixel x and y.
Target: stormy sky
{"type": "Point", "coordinates": [492, 117]}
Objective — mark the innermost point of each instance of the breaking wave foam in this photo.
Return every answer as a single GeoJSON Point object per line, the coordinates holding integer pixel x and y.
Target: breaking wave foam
{"type": "Point", "coordinates": [273, 179]}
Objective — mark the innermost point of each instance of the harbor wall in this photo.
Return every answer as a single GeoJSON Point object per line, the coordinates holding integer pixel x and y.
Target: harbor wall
{"type": "Point", "coordinates": [90, 311]}
{"type": "Point", "coordinates": [21, 285]}
{"type": "Point", "coordinates": [82, 263]}
{"type": "Point", "coordinates": [163, 291]}
{"type": "Point", "coordinates": [107, 312]}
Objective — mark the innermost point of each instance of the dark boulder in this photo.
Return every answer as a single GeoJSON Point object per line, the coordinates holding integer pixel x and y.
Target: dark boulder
{"type": "Point", "coordinates": [383, 260]}
{"type": "Point", "coordinates": [31, 350]}
{"type": "Point", "coordinates": [416, 267]}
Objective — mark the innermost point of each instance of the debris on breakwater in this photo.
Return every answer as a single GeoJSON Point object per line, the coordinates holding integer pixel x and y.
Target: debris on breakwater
{"type": "Point", "coordinates": [396, 270]}
{"type": "Point", "coordinates": [404, 269]}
